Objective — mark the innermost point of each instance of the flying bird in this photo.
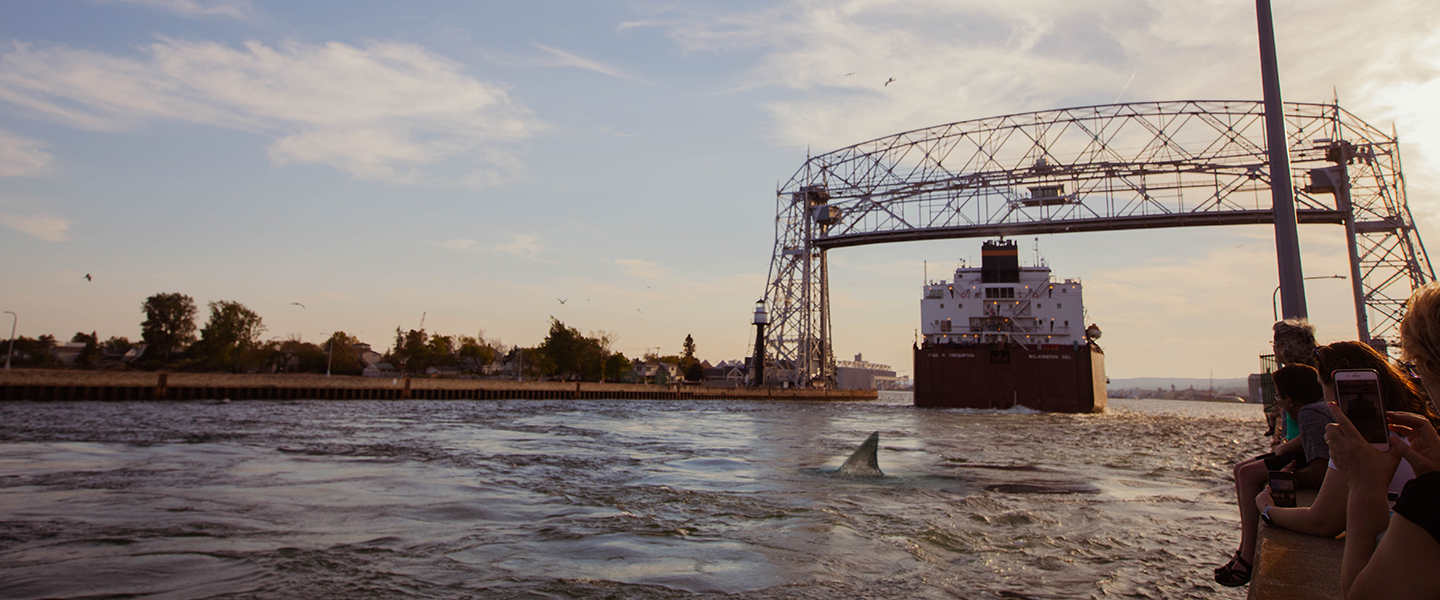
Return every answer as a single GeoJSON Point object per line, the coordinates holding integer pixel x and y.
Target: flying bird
{"type": "Point", "coordinates": [297, 304]}
{"type": "Point", "coordinates": [562, 300]}
{"type": "Point", "coordinates": [892, 79]}
{"type": "Point", "coordinates": [849, 74]}
{"type": "Point", "coordinates": [87, 277]}
{"type": "Point", "coordinates": [637, 309]}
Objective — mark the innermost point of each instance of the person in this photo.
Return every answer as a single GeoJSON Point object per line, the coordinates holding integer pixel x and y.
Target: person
{"type": "Point", "coordinates": [1298, 393]}
{"type": "Point", "coordinates": [1401, 563]}
{"type": "Point", "coordinates": [1294, 343]}
{"type": "Point", "coordinates": [1326, 516]}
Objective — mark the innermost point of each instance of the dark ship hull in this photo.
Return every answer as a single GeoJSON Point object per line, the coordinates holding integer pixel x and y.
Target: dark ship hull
{"type": "Point", "coordinates": [1066, 379]}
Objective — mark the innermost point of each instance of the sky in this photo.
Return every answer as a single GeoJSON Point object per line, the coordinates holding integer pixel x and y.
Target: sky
{"type": "Point", "coordinates": [485, 166]}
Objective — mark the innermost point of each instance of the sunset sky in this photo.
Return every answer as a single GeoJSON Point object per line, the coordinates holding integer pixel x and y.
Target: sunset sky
{"type": "Point", "coordinates": [479, 162]}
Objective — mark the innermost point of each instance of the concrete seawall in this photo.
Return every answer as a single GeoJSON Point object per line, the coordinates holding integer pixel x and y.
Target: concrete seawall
{"type": "Point", "coordinates": [42, 385]}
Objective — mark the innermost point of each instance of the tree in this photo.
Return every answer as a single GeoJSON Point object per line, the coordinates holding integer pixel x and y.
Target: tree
{"type": "Point", "coordinates": [169, 324]}
{"type": "Point", "coordinates": [230, 338]}
{"type": "Point", "coordinates": [696, 372]}
{"type": "Point", "coordinates": [687, 358]}
{"type": "Point", "coordinates": [342, 358]}
{"type": "Point", "coordinates": [117, 346]}
{"type": "Point", "coordinates": [90, 354]}
{"type": "Point", "coordinates": [618, 368]}
{"type": "Point", "coordinates": [474, 351]}
{"type": "Point", "coordinates": [573, 355]}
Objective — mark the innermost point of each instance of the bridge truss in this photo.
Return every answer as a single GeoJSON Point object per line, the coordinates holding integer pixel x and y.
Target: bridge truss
{"type": "Point", "coordinates": [1095, 168]}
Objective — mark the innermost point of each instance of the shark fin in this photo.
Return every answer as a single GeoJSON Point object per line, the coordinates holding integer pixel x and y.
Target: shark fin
{"type": "Point", "coordinates": [863, 462]}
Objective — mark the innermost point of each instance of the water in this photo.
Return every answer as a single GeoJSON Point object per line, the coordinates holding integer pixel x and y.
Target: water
{"type": "Point", "coordinates": [622, 499]}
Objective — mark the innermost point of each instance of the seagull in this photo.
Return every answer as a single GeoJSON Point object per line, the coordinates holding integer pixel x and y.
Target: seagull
{"type": "Point", "coordinates": [297, 304]}
{"type": "Point", "coordinates": [562, 300]}
{"type": "Point", "coordinates": [87, 277]}
{"type": "Point", "coordinates": [637, 309]}
{"type": "Point", "coordinates": [891, 80]}
{"type": "Point", "coordinates": [849, 74]}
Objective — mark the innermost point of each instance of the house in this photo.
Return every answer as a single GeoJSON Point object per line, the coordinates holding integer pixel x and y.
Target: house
{"type": "Point", "coordinates": [68, 352]}
{"type": "Point", "coordinates": [726, 373]}
{"type": "Point", "coordinates": [657, 372]}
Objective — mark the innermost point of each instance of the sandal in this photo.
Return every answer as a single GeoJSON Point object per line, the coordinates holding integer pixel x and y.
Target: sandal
{"type": "Point", "coordinates": [1227, 565]}
{"type": "Point", "coordinates": [1232, 575]}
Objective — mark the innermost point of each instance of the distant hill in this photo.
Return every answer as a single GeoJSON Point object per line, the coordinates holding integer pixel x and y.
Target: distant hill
{"type": "Point", "coordinates": [1180, 383]}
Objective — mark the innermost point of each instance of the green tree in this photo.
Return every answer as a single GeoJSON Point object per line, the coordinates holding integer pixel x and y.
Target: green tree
{"type": "Point", "coordinates": [169, 324]}
{"type": "Point", "coordinates": [342, 356]}
{"type": "Point", "coordinates": [687, 357]}
{"type": "Point", "coordinates": [230, 338]}
{"type": "Point", "coordinates": [90, 354]}
{"type": "Point", "coordinates": [117, 346]}
{"type": "Point", "coordinates": [618, 368]}
{"type": "Point", "coordinates": [696, 372]}
{"type": "Point", "coordinates": [474, 351]}
{"type": "Point", "coordinates": [575, 356]}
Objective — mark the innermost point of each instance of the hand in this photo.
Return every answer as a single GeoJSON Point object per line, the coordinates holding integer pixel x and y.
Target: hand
{"type": "Point", "coordinates": [1360, 464]}
{"type": "Point", "coordinates": [1263, 499]}
{"type": "Point", "coordinates": [1424, 449]}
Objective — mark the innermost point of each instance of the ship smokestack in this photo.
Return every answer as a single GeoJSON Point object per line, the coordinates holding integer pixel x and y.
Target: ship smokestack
{"type": "Point", "coordinates": [999, 262]}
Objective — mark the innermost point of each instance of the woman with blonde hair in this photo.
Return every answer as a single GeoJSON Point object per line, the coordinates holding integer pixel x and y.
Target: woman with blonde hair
{"type": "Point", "coordinates": [1401, 564]}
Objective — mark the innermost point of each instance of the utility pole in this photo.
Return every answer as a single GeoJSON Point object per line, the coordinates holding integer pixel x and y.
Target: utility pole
{"type": "Point", "coordinates": [1287, 238]}
{"type": "Point", "coordinates": [15, 319]}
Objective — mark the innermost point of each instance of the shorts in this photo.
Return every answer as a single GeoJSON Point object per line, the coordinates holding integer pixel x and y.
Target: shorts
{"type": "Point", "coordinates": [1420, 503]}
{"type": "Point", "coordinates": [1276, 462]}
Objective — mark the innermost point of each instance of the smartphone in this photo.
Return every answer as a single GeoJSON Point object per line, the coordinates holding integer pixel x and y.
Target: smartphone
{"type": "Point", "coordinates": [1282, 488]}
{"type": "Point", "coordinates": [1358, 393]}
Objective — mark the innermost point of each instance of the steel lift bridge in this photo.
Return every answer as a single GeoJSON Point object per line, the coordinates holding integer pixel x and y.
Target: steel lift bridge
{"type": "Point", "coordinates": [1095, 168]}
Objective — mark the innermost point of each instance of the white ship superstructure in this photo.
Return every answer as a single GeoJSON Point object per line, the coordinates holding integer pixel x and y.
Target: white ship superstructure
{"type": "Point", "coordinates": [1004, 303]}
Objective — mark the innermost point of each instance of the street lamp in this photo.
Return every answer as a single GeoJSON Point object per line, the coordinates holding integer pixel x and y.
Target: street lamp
{"type": "Point", "coordinates": [1274, 298]}
{"type": "Point", "coordinates": [14, 320]}
{"type": "Point", "coordinates": [329, 354]}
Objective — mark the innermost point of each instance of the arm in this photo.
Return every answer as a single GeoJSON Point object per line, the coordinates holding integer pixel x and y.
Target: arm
{"type": "Point", "coordinates": [1403, 565]}
{"type": "Point", "coordinates": [1325, 518]}
{"type": "Point", "coordinates": [1365, 520]}
{"type": "Point", "coordinates": [1290, 445]}
{"type": "Point", "coordinates": [1367, 473]}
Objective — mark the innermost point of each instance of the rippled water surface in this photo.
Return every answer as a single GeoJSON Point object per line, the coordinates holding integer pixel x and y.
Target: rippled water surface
{"type": "Point", "coordinates": [624, 499]}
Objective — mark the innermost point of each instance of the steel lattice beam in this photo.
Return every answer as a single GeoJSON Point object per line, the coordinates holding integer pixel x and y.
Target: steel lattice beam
{"type": "Point", "coordinates": [1094, 168]}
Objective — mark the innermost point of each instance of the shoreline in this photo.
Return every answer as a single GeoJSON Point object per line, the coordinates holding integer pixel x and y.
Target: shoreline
{"type": "Point", "coordinates": [52, 385]}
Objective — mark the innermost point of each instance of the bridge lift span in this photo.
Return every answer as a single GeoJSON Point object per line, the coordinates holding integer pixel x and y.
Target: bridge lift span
{"type": "Point", "coordinates": [1095, 168]}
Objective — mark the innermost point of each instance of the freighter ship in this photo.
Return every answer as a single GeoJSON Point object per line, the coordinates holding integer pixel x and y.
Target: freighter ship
{"type": "Point", "coordinates": [1004, 335]}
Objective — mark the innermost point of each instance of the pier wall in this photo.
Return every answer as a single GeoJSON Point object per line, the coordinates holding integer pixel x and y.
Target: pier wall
{"type": "Point", "coordinates": [45, 385]}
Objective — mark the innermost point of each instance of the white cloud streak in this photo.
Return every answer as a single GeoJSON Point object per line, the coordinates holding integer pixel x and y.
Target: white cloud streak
{"type": "Point", "coordinates": [561, 58]}
{"type": "Point", "coordinates": [380, 112]}
{"type": "Point", "coordinates": [20, 156]}
{"type": "Point", "coordinates": [641, 269]}
{"type": "Point", "coordinates": [42, 226]}
{"type": "Point", "coordinates": [521, 245]}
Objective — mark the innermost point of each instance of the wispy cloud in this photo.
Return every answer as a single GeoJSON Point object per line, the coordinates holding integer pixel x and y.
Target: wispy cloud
{"type": "Point", "coordinates": [20, 156]}
{"type": "Point", "coordinates": [521, 245]}
{"type": "Point", "coordinates": [458, 244]}
{"type": "Point", "coordinates": [561, 58]}
{"type": "Point", "coordinates": [958, 60]}
{"type": "Point", "coordinates": [42, 226]}
{"type": "Point", "coordinates": [641, 269]}
{"type": "Point", "coordinates": [380, 112]}
{"type": "Point", "coordinates": [236, 9]}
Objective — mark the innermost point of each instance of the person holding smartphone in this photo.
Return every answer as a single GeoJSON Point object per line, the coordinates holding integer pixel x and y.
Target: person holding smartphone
{"type": "Point", "coordinates": [1401, 564]}
{"type": "Point", "coordinates": [1298, 393]}
{"type": "Point", "coordinates": [1326, 516]}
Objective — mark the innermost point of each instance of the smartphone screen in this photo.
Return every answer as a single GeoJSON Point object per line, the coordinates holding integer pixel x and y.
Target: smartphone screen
{"type": "Point", "coordinates": [1358, 393]}
{"type": "Point", "coordinates": [1282, 488]}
